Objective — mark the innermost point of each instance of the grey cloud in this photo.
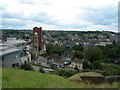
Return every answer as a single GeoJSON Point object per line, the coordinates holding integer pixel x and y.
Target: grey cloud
{"type": "Point", "coordinates": [101, 16]}
{"type": "Point", "coordinates": [14, 23]}
{"type": "Point", "coordinates": [12, 15]}
{"type": "Point", "coordinates": [27, 2]}
{"type": "Point", "coordinates": [44, 18]}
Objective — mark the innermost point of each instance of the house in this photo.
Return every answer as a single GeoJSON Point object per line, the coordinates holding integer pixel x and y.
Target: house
{"type": "Point", "coordinates": [76, 63]}
{"type": "Point", "coordinates": [41, 60]}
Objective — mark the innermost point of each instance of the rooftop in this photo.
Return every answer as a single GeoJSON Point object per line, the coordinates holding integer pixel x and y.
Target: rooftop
{"type": "Point", "coordinates": [6, 50]}
{"type": "Point", "coordinates": [11, 42]}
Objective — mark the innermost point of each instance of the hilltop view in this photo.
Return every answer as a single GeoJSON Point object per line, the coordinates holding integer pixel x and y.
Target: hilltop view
{"type": "Point", "coordinates": [60, 44]}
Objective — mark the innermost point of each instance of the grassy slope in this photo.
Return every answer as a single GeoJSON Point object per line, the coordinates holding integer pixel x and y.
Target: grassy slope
{"type": "Point", "coordinates": [13, 78]}
{"type": "Point", "coordinates": [76, 77]}
{"type": "Point", "coordinates": [0, 78]}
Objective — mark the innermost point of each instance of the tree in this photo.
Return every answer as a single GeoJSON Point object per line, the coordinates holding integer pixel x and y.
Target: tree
{"type": "Point", "coordinates": [54, 49]}
{"type": "Point", "coordinates": [97, 65]}
{"type": "Point", "coordinates": [111, 52]}
{"type": "Point", "coordinates": [64, 73]}
{"type": "Point", "coordinates": [114, 42]}
{"type": "Point", "coordinates": [111, 70]}
{"type": "Point", "coordinates": [77, 48]}
{"type": "Point", "coordinates": [86, 64]}
{"type": "Point", "coordinates": [93, 54]}
{"type": "Point", "coordinates": [78, 54]}
{"type": "Point", "coordinates": [49, 48]}
{"type": "Point", "coordinates": [26, 66]}
{"type": "Point", "coordinates": [41, 70]}
{"type": "Point", "coordinates": [57, 49]}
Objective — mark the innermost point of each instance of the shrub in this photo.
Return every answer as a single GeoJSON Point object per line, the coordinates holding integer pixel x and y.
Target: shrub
{"type": "Point", "coordinates": [26, 66]}
{"type": "Point", "coordinates": [86, 65]}
{"type": "Point", "coordinates": [77, 48]}
{"type": "Point", "coordinates": [97, 65]}
{"type": "Point", "coordinates": [41, 70]}
{"type": "Point", "coordinates": [65, 73]}
{"type": "Point", "coordinates": [78, 54]}
{"type": "Point", "coordinates": [93, 53]}
{"type": "Point", "coordinates": [111, 70]}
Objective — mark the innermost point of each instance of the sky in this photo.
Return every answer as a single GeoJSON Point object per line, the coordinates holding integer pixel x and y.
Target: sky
{"type": "Point", "coordinates": [78, 15]}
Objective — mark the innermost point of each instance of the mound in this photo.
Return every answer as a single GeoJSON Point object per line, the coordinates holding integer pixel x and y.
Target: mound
{"type": "Point", "coordinates": [77, 78]}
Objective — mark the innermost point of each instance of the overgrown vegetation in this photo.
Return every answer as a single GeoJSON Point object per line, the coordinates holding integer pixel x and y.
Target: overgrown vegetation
{"type": "Point", "coordinates": [65, 73]}
{"type": "Point", "coordinates": [110, 70]}
{"type": "Point", "coordinates": [26, 66]}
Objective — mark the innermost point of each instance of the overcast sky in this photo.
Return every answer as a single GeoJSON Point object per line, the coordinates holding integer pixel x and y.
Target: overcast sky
{"type": "Point", "coordinates": [82, 15]}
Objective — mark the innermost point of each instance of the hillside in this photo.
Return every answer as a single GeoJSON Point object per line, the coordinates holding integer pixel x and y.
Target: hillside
{"type": "Point", "coordinates": [76, 77]}
{"type": "Point", "coordinates": [14, 78]}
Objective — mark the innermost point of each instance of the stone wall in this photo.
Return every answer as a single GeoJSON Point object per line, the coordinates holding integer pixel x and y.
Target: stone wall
{"type": "Point", "coordinates": [111, 79]}
{"type": "Point", "coordinates": [100, 79]}
{"type": "Point", "coordinates": [93, 79]}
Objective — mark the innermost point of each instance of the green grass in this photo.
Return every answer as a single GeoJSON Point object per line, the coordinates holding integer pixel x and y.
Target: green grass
{"type": "Point", "coordinates": [105, 85]}
{"type": "Point", "coordinates": [15, 78]}
{"type": "Point", "coordinates": [0, 78]}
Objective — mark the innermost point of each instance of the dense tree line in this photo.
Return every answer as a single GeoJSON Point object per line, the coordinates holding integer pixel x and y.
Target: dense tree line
{"type": "Point", "coordinates": [54, 49]}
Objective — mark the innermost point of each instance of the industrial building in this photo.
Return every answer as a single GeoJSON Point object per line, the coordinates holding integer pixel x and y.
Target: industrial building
{"type": "Point", "coordinates": [12, 53]}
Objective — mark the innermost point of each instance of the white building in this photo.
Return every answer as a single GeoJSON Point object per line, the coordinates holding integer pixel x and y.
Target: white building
{"type": "Point", "coordinates": [103, 43]}
{"type": "Point", "coordinates": [13, 42]}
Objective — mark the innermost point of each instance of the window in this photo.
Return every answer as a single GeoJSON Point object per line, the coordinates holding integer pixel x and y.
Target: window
{"type": "Point", "coordinates": [36, 34]}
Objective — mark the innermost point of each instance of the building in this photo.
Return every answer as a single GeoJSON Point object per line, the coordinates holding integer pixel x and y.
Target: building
{"type": "Point", "coordinates": [115, 37]}
{"type": "Point", "coordinates": [16, 43]}
{"type": "Point", "coordinates": [13, 53]}
{"type": "Point", "coordinates": [77, 63]}
{"type": "Point", "coordinates": [9, 57]}
{"type": "Point", "coordinates": [103, 43]}
{"type": "Point", "coordinates": [37, 38]}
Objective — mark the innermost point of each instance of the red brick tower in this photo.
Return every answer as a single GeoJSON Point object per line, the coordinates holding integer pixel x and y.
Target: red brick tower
{"type": "Point", "coordinates": [37, 38]}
